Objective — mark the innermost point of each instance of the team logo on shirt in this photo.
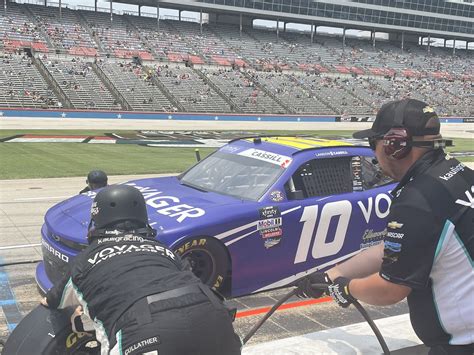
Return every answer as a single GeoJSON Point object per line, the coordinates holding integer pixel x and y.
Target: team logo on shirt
{"type": "Point", "coordinates": [394, 225]}
{"type": "Point", "coordinates": [470, 199]}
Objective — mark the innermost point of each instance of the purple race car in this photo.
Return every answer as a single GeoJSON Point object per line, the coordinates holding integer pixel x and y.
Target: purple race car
{"type": "Point", "coordinates": [255, 215]}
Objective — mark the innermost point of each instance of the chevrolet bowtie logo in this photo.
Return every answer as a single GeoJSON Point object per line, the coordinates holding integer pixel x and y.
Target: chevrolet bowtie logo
{"type": "Point", "coordinates": [394, 225]}
{"type": "Point", "coordinates": [427, 109]}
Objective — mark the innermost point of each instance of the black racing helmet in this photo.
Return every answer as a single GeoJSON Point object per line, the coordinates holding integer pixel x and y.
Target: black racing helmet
{"type": "Point", "coordinates": [97, 177]}
{"type": "Point", "coordinates": [118, 203]}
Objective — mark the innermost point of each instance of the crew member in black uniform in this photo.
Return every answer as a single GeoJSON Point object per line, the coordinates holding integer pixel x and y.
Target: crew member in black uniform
{"type": "Point", "coordinates": [139, 294]}
{"type": "Point", "coordinates": [428, 250]}
{"type": "Point", "coordinates": [95, 180]}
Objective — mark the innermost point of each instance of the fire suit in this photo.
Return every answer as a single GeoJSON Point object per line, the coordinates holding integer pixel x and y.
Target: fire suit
{"type": "Point", "coordinates": [142, 300]}
{"type": "Point", "coordinates": [429, 246]}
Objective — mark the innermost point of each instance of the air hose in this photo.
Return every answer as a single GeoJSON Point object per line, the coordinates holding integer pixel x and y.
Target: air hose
{"type": "Point", "coordinates": [358, 306]}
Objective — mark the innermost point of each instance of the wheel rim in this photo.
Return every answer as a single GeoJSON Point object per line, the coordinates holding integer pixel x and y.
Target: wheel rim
{"type": "Point", "coordinates": [202, 263]}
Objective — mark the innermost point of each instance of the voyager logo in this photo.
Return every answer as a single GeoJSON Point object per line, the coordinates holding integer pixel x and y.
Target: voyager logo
{"type": "Point", "coordinates": [170, 206]}
{"type": "Point", "coordinates": [55, 252]}
{"type": "Point", "coordinates": [115, 250]}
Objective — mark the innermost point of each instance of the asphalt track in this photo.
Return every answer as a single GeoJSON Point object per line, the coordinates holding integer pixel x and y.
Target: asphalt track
{"type": "Point", "coordinates": [23, 204]}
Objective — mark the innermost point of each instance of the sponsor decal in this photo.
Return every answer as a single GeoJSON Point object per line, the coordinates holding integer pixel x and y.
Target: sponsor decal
{"type": "Point", "coordinates": [453, 171]}
{"type": "Point", "coordinates": [54, 252]}
{"type": "Point", "coordinates": [394, 225]}
{"type": "Point", "coordinates": [395, 235]}
{"type": "Point", "coordinates": [191, 244]}
{"type": "Point", "coordinates": [356, 169]}
{"type": "Point", "coordinates": [115, 250]}
{"type": "Point", "coordinates": [269, 212]}
{"type": "Point", "coordinates": [271, 242]}
{"type": "Point", "coordinates": [269, 226]}
{"type": "Point", "coordinates": [331, 153]}
{"type": "Point", "coordinates": [393, 247]}
{"type": "Point", "coordinates": [371, 238]}
{"type": "Point", "coordinates": [470, 199]}
{"type": "Point", "coordinates": [428, 109]}
{"type": "Point", "coordinates": [271, 233]}
{"type": "Point", "coordinates": [94, 209]}
{"type": "Point", "coordinates": [272, 158]}
{"type": "Point", "coordinates": [269, 223]}
{"type": "Point", "coordinates": [124, 238]}
{"type": "Point", "coordinates": [277, 196]}
{"type": "Point", "coordinates": [230, 149]}
{"type": "Point", "coordinates": [142, 345]}
{"type": "Point", "coordinates": [170, 206]}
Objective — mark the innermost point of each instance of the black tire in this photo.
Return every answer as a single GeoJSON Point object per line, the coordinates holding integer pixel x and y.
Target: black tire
{"type": "Point", "coordinates": [208, 259]}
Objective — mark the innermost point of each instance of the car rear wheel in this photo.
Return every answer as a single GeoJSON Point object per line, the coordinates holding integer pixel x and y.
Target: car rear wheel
{"type": "Point", "coordinates": [208, 259]}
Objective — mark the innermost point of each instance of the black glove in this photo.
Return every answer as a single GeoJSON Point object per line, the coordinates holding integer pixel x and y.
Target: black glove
{"type": "Point", "coordinates": [339, 291]}
{"type": "Point", "coordinates": [305, 290]}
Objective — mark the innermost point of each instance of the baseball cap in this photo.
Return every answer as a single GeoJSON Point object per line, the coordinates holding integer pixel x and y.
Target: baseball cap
{"type": "Point", "coordinates": [415, 116]}
{"type": "Point", "coordinates": [97, 177]}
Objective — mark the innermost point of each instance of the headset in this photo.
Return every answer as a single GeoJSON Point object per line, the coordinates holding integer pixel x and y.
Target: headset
{"type": "Point", "coordinates": [398, 141]}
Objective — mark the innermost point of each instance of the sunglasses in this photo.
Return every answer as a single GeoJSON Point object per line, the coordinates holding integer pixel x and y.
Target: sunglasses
{"type": "Point", "coordinates": [373, 141]}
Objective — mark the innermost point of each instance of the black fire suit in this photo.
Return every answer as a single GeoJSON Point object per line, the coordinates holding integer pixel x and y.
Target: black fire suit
{"type": "Point", "coordinates": [142, 299]}
{"type": "Point", "coordinates": [429, 247]}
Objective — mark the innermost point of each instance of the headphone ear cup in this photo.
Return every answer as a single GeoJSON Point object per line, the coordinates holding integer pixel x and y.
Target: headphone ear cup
{"type": "Point", "coordinates": [396, 143]}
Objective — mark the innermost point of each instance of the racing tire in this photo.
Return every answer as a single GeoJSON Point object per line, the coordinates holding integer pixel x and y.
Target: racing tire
{"type": "Point", "coordinates": [209, 261]}
{"type": "Point", "coordinates": [48, 332]}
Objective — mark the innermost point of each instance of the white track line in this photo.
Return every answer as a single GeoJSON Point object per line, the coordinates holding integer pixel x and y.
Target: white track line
{"type": "Point", "coordinates": [20, 246]}
{"type": "Point", "coordinates": [41, 198]}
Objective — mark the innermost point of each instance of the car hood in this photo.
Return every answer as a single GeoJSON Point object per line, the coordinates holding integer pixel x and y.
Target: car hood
{"type": "Point", "coordinates": [171, 207]}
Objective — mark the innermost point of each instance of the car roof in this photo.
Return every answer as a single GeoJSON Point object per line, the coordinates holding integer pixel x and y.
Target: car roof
{"type": "Point", "coordinates": [290, 145]}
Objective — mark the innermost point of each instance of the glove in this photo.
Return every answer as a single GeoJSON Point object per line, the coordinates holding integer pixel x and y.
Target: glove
{"type": "Point", "coordinates": [305, 290]}
{"type": "Point", "coordinates": [339, 291]}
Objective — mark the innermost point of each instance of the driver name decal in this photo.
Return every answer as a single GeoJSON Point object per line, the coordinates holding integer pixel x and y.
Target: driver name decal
{"type": "Point", "coordinates": [272, 158]}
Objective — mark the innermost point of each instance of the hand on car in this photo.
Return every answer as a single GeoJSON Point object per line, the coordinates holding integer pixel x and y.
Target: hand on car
{"type": "Point", "coordinates": [339, 291]}
{"type": "Point", "coordinates": [306, 288]}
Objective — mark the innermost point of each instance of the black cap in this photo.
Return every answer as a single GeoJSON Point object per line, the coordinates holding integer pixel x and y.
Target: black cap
{"type": "Point", "coordinates": [97, 177]}
{"type": "Point", "coordinates": [412, 114]}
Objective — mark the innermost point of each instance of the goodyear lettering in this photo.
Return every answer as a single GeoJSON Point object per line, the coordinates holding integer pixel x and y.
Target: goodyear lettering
{"type": "Point", "coordinates": [55, 252]}
{"type": "Point", "coordinates": [191, 244]}
{"type": "Point", "coordinates": [218, 282]}
{"type": "Point", "coordinates": [73, 338]}
{"type": "Point", "coordinates": [170, 206]}
{"type": "Point", "coordinates": [115, 250]}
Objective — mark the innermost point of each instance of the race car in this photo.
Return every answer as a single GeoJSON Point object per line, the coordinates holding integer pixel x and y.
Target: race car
{"type": "Point", "coordinates": [257, 214]}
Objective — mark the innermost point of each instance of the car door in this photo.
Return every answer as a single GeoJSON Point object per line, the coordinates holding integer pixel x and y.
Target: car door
{"type": "Point", "coordinates": [333, 207]}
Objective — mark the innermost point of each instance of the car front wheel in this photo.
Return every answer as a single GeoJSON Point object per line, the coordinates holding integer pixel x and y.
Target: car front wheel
{"type": "Point", "coordinates": [208, 259]}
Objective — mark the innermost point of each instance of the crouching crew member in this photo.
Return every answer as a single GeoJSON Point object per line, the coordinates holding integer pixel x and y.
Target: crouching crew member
{"type": "Point", "coordinates": [139, 294]}
{"type": "Point", "coordinates": [95, 180]}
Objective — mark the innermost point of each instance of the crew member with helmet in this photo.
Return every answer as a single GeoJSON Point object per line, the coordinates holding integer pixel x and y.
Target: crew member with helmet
{"type": "Point", "coordinates": [428, 249]}
{"type": "Point", "coordinates": [95, 180]}
{"type": "Point", "coordinates": [141, 296]}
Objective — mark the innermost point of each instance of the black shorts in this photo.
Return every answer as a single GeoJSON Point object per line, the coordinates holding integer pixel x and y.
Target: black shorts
{"type": "Point", "coordinates": [201, 328]}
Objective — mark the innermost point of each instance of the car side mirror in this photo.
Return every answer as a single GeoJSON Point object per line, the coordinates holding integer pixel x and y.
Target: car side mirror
{"type": "Point", "coordinates": [295, 195]}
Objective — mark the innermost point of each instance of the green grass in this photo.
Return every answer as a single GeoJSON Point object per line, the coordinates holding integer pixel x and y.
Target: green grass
{"type": "Point", "coordinates": [44, 160]}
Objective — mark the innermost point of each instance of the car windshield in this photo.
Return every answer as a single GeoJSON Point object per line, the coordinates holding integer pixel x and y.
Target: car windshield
{"type": "Point", "coordinates": [231, 174]}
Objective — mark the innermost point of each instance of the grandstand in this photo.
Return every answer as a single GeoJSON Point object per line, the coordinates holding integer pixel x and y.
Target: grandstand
{"type": "Point", "coordinates": [79, 58]}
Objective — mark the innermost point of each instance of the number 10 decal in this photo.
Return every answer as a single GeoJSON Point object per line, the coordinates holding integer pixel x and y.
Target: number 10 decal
{"type": "Point", "coordinates": [321, 248]}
